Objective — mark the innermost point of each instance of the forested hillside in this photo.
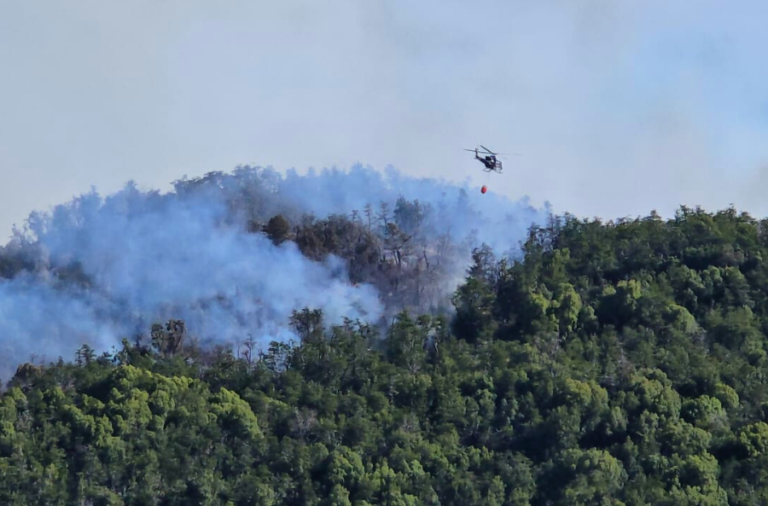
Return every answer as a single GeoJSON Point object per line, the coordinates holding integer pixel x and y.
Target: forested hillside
{"type": "Point", "coordinates": [616, 363]}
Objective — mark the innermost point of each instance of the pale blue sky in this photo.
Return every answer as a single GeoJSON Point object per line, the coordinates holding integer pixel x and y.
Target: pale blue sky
{"type": "Point", "coordinates": [619, 107]}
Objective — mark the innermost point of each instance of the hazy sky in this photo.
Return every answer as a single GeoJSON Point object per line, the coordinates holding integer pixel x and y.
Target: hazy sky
{"type": "Point", "coordinates": [618, 107]}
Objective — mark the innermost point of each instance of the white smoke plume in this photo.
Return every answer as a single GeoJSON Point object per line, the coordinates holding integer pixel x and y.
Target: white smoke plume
{"type": "Point", "coordinates": [104, 268]}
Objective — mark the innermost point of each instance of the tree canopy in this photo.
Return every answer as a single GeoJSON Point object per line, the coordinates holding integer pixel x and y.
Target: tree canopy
{"type": "Point", "coordinates": [619, 363]}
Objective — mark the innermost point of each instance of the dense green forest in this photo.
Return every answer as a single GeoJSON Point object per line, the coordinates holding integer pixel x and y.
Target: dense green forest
{"type": "Point", "coordinates": [614, 363]}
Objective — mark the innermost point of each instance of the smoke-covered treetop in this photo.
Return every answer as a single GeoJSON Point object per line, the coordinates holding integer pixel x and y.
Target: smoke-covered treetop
{"type": "Point", "coordinates": [497, 221]}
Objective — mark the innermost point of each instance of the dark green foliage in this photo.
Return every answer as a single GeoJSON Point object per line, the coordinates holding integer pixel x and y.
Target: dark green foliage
{"type": "Point", "coordinates": [277, 229]}
{"type": "Point", "coordinates": [619, 364]}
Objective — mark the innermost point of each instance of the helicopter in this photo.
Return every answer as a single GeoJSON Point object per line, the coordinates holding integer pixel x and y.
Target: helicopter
{"type": "Point", "coordinates": [489, 159]}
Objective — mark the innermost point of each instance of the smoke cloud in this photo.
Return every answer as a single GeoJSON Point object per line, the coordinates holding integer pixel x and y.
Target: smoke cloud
{"type": "Point", "coordinates": [99, 269]}
{"type": "Point", "coordinates": [617, 107]}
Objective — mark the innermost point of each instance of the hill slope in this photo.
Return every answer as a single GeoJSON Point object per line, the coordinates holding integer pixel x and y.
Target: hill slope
{"type": "Point", "coordinates": [619, 363]}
